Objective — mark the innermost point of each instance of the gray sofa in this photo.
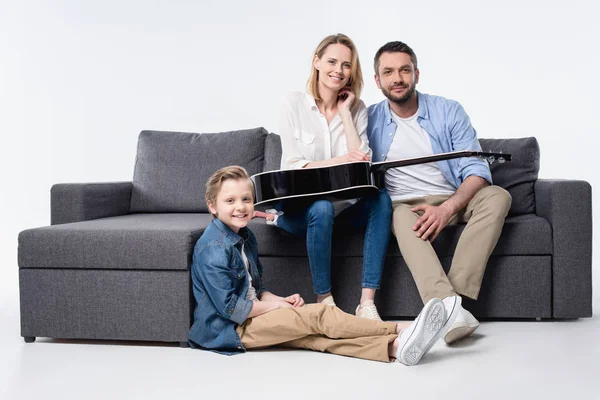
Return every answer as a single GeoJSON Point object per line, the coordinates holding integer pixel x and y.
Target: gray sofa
{"type": "Point", "coordinates": [114, 264]}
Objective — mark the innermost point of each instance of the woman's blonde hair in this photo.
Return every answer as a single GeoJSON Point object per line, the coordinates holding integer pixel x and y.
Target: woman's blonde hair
{"type": "Point", "coordinates": [356, 80]}
{"type": "Point", "coordinates": [215, 182]}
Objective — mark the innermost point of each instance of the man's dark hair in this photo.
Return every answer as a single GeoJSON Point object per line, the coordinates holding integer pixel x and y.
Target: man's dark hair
{"type": "Point", "coordinates": [394, 47]}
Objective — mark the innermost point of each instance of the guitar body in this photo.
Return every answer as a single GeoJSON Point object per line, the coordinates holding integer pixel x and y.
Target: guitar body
{"type": "Point", "coordinates": [336, 182]}
{"type": "Point", "coordinates": [339, 182]}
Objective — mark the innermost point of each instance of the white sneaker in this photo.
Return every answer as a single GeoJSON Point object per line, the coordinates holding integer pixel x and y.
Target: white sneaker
{"type": "Point", "coordinates": [452, 305]}
{"type": "Point", "coordinates": [421, 335]}
{"type": "Point", "coordinates": [368, 310]}
{"type": "Point", "coordinates": [463, 326]}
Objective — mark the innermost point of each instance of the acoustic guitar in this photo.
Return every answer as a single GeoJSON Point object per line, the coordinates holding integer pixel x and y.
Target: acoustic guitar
{"type": "Point", "coordinates": [342, 181]}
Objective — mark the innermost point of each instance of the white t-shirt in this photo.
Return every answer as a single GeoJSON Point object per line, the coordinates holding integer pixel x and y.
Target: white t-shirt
{"type": "Point", "coordinates": [251, 295]}
{"type": "Point", "coordinates": [411, 140]}
{"type": "Point", "coordinates": [306, 136]}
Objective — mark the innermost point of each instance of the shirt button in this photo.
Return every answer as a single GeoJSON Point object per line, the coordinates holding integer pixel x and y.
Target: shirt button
{"type": "Point", "coordinates": [383, 155]}
{"type": "Point", "coordinates": [391, 133]}
{"type": "Point", "coordinates": [240, 347]}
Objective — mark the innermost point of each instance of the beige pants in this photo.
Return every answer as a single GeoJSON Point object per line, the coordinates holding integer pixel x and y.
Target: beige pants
{"type": "Point", "coordinates": [484, 216]}
{"type": "Point", "coordinates": [321, 328]}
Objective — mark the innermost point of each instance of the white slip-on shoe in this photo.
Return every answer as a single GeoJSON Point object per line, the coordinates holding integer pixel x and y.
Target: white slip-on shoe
{"type": "Point", "coordinates": [463, 326]}
{"type": "Point", "coordinates": [421, 335]}
{"type": "Point", "coordinates": [368, 310]}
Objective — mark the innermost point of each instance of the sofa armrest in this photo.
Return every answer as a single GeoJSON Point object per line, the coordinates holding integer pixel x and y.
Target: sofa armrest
{"type": "Point", "coordinates": [73, 202]}
{"type": "Point", "coordinates": [567, 205]}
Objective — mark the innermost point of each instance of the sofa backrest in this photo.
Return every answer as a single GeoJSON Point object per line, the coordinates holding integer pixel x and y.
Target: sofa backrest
{"type": "Point", "coordinates": [516, 176]}
{"type": "Point", "coordinates": [171, 168]}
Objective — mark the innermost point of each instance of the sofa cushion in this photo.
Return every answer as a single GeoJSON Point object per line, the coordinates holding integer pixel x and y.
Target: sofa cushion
{"type": "Point", "coordinates": [136, 241]}
{"type": "Point", "coordinates": [172, 168]}
{"type": "Point", "coordinates": [521, 235]}
{"type": "Point", "coordinates": [519, 175]}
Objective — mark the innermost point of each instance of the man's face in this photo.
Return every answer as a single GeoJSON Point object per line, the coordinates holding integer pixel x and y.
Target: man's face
{"type": "Point", "coordinates": [397, 77]}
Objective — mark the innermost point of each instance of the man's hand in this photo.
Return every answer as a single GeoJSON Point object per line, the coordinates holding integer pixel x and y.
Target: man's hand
{"type": "Point", "coordinates": [432, 221]}
{"type": "Point", "coordinates": [295, 300]}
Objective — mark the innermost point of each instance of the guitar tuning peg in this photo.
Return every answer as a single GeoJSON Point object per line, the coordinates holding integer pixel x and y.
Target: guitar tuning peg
{"type": "Point", "coordinates": [501, 160]}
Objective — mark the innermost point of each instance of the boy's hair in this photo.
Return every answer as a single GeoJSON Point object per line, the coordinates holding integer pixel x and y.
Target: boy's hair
{"type": "Point", "coordinates": [394, 47]}
{"type": "Point", "coordinates": [356, 79]}
{"type": "Point", "coordinates": [214, 183]}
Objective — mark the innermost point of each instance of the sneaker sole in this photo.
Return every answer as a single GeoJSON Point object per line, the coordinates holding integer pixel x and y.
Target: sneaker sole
{"type": "Point", "coordinates": [459, 333]}
{"type": "Point", "coordinates": [426, 333]}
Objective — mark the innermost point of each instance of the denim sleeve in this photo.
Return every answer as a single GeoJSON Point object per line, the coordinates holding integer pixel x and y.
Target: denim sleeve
{"type": "Point", "coordinates": [464, 137]}
{"type": "Point", "coordinates": [212, 267]}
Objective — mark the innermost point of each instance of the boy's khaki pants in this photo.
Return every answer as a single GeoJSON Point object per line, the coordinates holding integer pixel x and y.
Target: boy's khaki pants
{"type": "Point", "coordinates": [484, 215]}
{"type": "Point", "coordinates": [322, 328]}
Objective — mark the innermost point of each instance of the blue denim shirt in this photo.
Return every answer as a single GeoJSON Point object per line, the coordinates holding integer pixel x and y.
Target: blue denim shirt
{"type": "Point", "coordinates": [449, 128]}
{"type": "Point", "coordinates": [220, 285]}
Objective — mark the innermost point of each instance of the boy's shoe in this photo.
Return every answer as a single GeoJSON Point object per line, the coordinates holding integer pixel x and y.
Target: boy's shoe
{"type": "Point", "coordinates": [368, 310]}
{"type": "Point", "coordinates": [421, 335]}
{"type": "Point", "coordinates": [463, 326]}
{"type": "Point", "coordinates": [328, 301]}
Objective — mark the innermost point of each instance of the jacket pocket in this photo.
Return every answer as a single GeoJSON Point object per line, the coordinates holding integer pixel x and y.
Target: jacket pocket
{"type": "Point", "coordinates": [238, 273]}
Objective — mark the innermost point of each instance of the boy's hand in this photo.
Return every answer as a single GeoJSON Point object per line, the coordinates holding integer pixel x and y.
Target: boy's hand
{"type": "Point", "coordinates": [295, 300]}
{"type": "Point", "coordinates": [284, 304]}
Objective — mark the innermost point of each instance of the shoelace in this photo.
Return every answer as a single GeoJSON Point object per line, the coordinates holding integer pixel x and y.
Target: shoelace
{"type": "Point", "coordinates": [371, 311]}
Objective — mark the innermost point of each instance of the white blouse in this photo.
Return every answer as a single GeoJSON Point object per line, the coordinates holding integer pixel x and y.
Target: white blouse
{"type": "Point", "coordinates": [306, 136]}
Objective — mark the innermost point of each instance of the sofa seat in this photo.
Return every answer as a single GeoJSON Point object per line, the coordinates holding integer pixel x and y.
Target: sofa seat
{"type": "Point", "coordinates": [132, 242]}
{"type": "Point", "coordinates": [522, 235]}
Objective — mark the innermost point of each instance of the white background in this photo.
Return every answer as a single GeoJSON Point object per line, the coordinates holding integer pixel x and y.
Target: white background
{"type": "Point", "coordinates": [80, 79]}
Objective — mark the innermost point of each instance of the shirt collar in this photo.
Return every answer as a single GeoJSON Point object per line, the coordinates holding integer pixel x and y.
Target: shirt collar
{"type": "Point", "coordinates": [422, 111]}
{"type": "Point", "coordinates": [310, 101]}
{"type": "Point", "coordinates": [233, 237]}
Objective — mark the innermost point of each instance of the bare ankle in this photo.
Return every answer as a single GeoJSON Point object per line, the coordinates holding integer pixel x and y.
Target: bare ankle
{"type": "Point", "coordinates": [321, 297]}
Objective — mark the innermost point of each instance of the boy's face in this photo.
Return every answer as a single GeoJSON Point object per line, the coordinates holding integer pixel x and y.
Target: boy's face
{"type": "Point", "coordinates": [234, 205]}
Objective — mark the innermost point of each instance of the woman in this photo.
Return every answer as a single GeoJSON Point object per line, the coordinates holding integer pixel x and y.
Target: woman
{"type": "Point", "coordinates": [327, 126]}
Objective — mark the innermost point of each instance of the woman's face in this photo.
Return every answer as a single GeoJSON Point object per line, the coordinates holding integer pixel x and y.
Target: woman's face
{"type": "Point", "coordinates": [334, 67]}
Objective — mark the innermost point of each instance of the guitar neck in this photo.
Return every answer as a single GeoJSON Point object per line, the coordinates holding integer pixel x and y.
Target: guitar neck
{"type": "Point", "coordinates": [383, 166]}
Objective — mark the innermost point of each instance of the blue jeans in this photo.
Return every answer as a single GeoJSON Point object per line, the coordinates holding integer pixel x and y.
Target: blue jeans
{"type": "Point", "coordinates": [316, 223]}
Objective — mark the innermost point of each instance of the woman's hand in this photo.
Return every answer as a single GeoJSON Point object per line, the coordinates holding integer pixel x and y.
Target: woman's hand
{"type": "Point", "coordinates": [345, 100]}
{"type": "Point", "coordinates": [295, 300]}
{"type": "Point", "coordinates": [356, 155]}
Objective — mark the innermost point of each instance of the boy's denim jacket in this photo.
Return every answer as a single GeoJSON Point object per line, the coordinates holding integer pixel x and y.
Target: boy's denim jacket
{"type": "Point", "coordinates": [220, 286]}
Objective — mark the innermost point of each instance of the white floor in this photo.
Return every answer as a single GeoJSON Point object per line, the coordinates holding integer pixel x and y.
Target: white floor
{"type": "Point", "coordinates": [549, 360]}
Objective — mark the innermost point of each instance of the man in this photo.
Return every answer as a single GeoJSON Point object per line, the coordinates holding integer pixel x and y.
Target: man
{"type": "Point", "coordinates": [428, 197]}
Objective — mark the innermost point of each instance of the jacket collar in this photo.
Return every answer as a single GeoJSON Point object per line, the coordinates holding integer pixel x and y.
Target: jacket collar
{"type": "Point", "coordinates": [232, 237]}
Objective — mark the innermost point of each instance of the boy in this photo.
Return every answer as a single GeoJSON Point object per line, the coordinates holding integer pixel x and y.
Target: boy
{"type": "Point", "coordinates": [235, 313]}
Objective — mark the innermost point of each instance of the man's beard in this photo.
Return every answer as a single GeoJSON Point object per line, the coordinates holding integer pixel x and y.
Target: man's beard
{"type": "Point", "coordinates": [402, 99]}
